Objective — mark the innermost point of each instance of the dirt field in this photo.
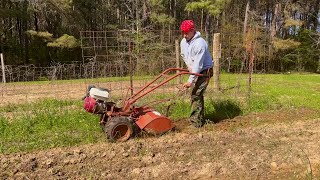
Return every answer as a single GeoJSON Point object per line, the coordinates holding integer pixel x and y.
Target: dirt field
{"type": "Point", "coordinates": [272, 145]}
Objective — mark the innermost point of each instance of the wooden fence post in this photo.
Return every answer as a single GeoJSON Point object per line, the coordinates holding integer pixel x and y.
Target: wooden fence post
{"type": "Point", "coordinates": [216, 60]}
{"type": "Point", "coordinates": [3, 70]}
{"type": "Point", "coordinates": [179, 80]}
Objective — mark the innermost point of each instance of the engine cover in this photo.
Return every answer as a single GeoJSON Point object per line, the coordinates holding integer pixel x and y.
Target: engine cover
{"type": "Point", "coordinates": [99, 94]}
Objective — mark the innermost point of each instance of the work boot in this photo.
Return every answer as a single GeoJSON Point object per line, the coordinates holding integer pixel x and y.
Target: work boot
{"type": "Point", "coordinates": [196, 122]}
{"type": "Point", "coordinates": [199, 124]}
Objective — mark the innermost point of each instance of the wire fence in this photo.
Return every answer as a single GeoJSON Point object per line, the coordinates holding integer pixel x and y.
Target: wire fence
{"type": "Point", "coordinates": [116, 79]}
{"type": "Point", "coordinates": [110, 58]}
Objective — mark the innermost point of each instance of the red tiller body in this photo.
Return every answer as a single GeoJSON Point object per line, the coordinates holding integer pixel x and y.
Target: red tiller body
{"type": "Point", "coordinates": [129, 116]}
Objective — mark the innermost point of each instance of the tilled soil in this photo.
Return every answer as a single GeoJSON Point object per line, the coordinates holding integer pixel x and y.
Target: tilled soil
{"type": "Point", "coordinates": [280, 144]}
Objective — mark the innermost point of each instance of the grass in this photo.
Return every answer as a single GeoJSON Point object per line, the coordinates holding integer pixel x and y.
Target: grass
{"type": "Point", "coordinates": [47, 124]}
{"type": "Point", "coordinates": [285, 91]}
{"type": "Point", "coordinates": [54, 123]}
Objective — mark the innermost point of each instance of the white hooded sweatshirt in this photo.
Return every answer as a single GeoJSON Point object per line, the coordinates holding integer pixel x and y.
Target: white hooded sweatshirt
{"type": "Point", "coordinates": [196, 55]}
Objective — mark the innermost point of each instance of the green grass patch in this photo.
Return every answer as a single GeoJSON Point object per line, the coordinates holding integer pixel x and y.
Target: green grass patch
{"type": "Point", "coordinates": [276, 91]}
{"type": "Point", "coordinates": [56, 123]}
{"type": "Point", "coordinates": [48, 124]}
{"type": "Point", "coordinates": [44, 104]}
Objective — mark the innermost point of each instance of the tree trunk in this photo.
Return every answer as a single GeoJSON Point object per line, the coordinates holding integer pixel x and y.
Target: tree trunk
{"type": "Point", "coordinates": [201, 21]}
{"type": "Point", "coordinates": [245, 25]}
{"type": "Point", "coordinates": [145, 11]}
{"type": "Point", "coordinates": [273, 27]}
{"type": "Point", "coordinates": [36, 21]}
{"type": "Point", "coordinates": [137, 16]}
{"type": "Point", "coordinates": [315, 16]}
{"type": "Point", "coordinates": [20, 31]}
{"type": "Point", "coordinates": [175, 9]}
{"type": "Point", "coordinates": [137, 10]}
{"type": "Point", "coordinates": [273, 31]}
{"type": "Point", "coordinates": [207, 25]}
{"type": "Point", "coordinates": [25, 28]}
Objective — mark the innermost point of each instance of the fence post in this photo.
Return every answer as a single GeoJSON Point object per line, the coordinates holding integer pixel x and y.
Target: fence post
{"type": "Point", "coordinates": [179, 80]}
{"type": "Point", "coordinates": [216, 59]}
{"type": "Point", "coordinates": [3, 70]}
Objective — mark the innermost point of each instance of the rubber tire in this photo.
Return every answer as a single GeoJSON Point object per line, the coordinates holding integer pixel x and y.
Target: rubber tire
{"type": "Point", "coordinates": [119, 129]}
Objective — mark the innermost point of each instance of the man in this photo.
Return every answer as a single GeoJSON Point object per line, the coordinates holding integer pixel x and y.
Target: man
{"type": "Point", "coordinates": [195, 53]}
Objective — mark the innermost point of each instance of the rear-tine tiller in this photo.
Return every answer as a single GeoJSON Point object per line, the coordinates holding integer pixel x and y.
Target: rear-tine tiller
{"type": "Point", "coordinates": [120, 123]}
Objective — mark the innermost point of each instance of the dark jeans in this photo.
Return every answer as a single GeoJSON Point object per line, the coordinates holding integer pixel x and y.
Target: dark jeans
{"type": "Point", "coordinates": [197, 99]}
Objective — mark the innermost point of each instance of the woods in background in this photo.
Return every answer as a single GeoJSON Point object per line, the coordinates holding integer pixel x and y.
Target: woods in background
{"type": "Point", "coordinates": [40, 32]}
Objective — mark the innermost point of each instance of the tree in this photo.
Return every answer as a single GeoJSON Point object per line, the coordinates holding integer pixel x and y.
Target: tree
{"type": "Point", "coordinates": [208, 8]}
{"type": "Point", "coordinates": [156, 21]}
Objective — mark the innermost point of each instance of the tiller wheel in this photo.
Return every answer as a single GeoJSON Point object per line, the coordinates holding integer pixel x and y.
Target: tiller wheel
{"type": "Point", "coordinates": [119, 129]}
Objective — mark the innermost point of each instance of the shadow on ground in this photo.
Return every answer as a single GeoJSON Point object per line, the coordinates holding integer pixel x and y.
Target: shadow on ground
{"type": "Point", "coordinates": [221, 110]}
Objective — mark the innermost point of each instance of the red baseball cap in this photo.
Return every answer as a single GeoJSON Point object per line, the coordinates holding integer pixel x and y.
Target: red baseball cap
{"type": "Point", "coordinates": [187, 26]}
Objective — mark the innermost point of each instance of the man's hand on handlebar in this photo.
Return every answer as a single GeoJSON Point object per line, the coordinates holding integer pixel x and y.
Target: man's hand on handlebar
{"type": "Point", "coordinates": [187, 85]}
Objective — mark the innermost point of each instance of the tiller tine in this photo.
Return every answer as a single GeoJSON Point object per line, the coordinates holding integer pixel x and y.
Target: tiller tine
{"type": "Point", "coordinates": [153, 122]}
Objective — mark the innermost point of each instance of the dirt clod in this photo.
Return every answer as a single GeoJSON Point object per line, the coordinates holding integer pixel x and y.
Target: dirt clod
{"type": "Point", "coordinates": [125, 155]}
{"type": "Point", "coordinates": [274, 166]}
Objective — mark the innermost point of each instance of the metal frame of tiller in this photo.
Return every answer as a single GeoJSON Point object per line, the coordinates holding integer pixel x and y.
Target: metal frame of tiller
{"type": "Point", "coordinates": [128, 103]}
{"type": "Point", "coordinates": [119, 122]}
